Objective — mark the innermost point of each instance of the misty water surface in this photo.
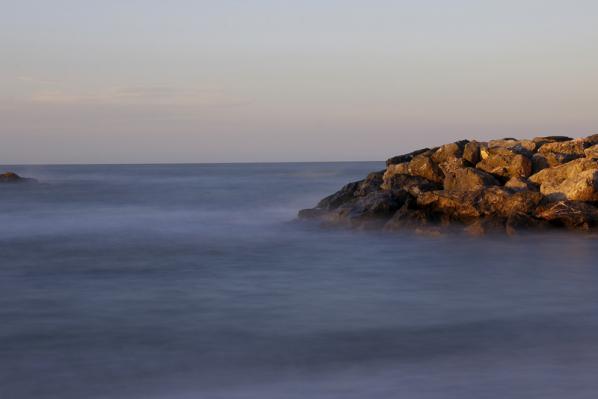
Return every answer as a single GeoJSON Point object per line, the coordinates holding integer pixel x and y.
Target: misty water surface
{"type": "Point", "coordinates": [191, 281]}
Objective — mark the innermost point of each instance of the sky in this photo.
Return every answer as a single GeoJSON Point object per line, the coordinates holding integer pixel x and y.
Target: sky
{"type": "Point", "coordinates": [142, 81]}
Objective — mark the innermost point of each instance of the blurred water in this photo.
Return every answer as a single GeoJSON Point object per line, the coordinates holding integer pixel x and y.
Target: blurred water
{"type": "Point", "coordinates": [188, 281]}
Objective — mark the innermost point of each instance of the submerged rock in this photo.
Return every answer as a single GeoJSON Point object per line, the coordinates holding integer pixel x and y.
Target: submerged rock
{"type": "Point", "coordinates": [11, 177]}
{"type": "Point", "coordinates": [504, 185]}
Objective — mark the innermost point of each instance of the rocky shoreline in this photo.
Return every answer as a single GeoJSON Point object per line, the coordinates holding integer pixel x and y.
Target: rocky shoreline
{"type": "Point", "coordinates": [504, 185]}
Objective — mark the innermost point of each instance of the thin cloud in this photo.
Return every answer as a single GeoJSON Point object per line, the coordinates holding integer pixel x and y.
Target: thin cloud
{"type": "Point", "coordinates": [147, 96]}
{"type": "Point", "coordinates": [30, 79]}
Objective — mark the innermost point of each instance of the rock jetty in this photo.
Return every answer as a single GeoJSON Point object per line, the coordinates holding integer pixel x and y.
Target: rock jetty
{"type": "Point", "coordinates": [503, 185]}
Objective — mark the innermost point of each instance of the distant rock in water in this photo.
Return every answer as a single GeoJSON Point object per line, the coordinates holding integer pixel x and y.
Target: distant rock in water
{"type": "Point", "coordinates": [502, 185]}
{"type": "Point", "coordinates": [11, 177]}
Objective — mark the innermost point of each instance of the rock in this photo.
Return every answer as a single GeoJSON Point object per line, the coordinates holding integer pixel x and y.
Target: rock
{"type": "Point", "coordinates": [556, 175]}
{"type": "Point", "coordinates": [471, 152]}
{"type": "Point", "coordinates": [527, 146]}
{"type": "Point", "coordinates": [498, 202]}
{"type": "Point", "coordinates": [370, 184]}
{"type": "Point", "coordinates": [405, 157]}
{"type": "Point", "coordinates": [391, 171]}
{"type": "Point", "coordinates": [350, 191]}
{"type": "Point", "coordinates": [540, 141]}
{"type": "Point", "coordinates": [591, 140]}
{"type": "Point", "coordinates": [591, 152]}
{"type": "Point", "coordinates": [414, 185]}
{"type": "Point", "coordinates": [580, 187]}
{"type": "Point", "coordinates": [539, 162]}
{"type": "Point", "coordinates": [449, 151]}
{"type": "Point", "coordinates": [570, 214]}
{"type": "Point", "coordinates": [468, 179]}
{"type": "Point", "coordinates": [407, 217]}
{"type": "Point", "coordinates": [558, 153]}
{"type": "Point", "coordinates": [505, 163]}
{"type": "Point", "coordinates": [344, 195]}
{"type": "Point", "coordinates": [438, 191]}
{"type": "Point", "coordinates": [11, 177]}
{"type": "Point", "coordinates": [521, 184]}
{"type": "Point", "coordinates": [423, 166]}
{"type": "Point", "coordinates": [373, 210]}
{"type": "Point", "coordinates": [450, 205]}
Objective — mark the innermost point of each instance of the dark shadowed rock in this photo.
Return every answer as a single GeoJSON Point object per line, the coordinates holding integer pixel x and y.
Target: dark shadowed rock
{"type": "Point", "coordinates": [539, 162]}
{"type": "Point", "coordinates": [471, 152]}
{"type": "Point", "coordinates": [414, 185]}
{"type": "Point", "coordinates": [541, 140]}
{"type": "Point", "coordinates": [468, 179]}
{"type": "Point", "coordinates": [344, 195]}
{"type": "Point", "coordinates": [370, 184]}
{"type": "Point", "coordinates": [570, 214]}
{"type": "Point", "coordinates": [408, 217]}
{"type": "Point", "coordinates": [405, 157]}
{"type": "Point", "coordinates": [591, 140]}
{"type": "Point", "coordinates": [11, 177]}
{"type": "Point", "coordinates": [521, 184]}
{"type": "Point", "coordinates": [372, 210]}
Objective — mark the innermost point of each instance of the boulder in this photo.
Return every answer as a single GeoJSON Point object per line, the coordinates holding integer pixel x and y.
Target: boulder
{"type": "Point", "coordinates": [424, 166]}
{"type": "Point", "coordinates": [468, 179]}
{"type": "Point", "coordinates": [372, 210]}
{"type": "Point", "coordinates": [556, 175]}
{"type": "Point", "coordinates": [370, 184]}
{"type": "Point", "coordinates": [580, 187]}
{"type": "Point", "coordinates": [449, 151]}
{"type": "Point", "coordinates": [558, 153]}
{"type": "Point", "coordinates": [591, 152]}
{"type": "Point", "coordinates": [498, 202]}
{"type": "Point", "coordinates": [570, 214]}
{"type": "Point", "coordinates": [539, 162]}
{"type": "Point", "coordinates": [591, 140]}
{"type": "Point", "coordinates": [450, 205]}
{"type": "Point", "coordinates": [521, 184]}
{"type": "Point", "coordinates": [527, 146]}
{"type": "Point", "coordinates": [505, 163]}
{"type": "Point", "coordinates": [391, 171]}
{"type": "Point", "coordinates": [11, 177]}
{"type": "Point", "coordinates": [414, 185]}
{"type": "Point", "coordinates": [471, 152]}
{"type": "Point", "coordinates": [344, 195]}
{"type": "Point", "coordinates": [406, 157]}
{"type": "Point", "coordinates": [541, 140]}
{"type": "Point", "coordinates": [407, 217]}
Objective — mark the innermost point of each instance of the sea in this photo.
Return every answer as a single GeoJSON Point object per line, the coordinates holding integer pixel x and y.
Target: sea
{"type": "Point", "coordinates": [196, 281]}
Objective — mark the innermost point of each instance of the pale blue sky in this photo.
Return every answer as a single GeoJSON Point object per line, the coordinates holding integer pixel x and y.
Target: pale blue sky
{"type": "Point", "coordinates": [225, 81]}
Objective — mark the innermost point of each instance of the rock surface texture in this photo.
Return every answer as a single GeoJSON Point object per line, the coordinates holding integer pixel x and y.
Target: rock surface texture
{"type": "Point", "coordinates": [503, 185]}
